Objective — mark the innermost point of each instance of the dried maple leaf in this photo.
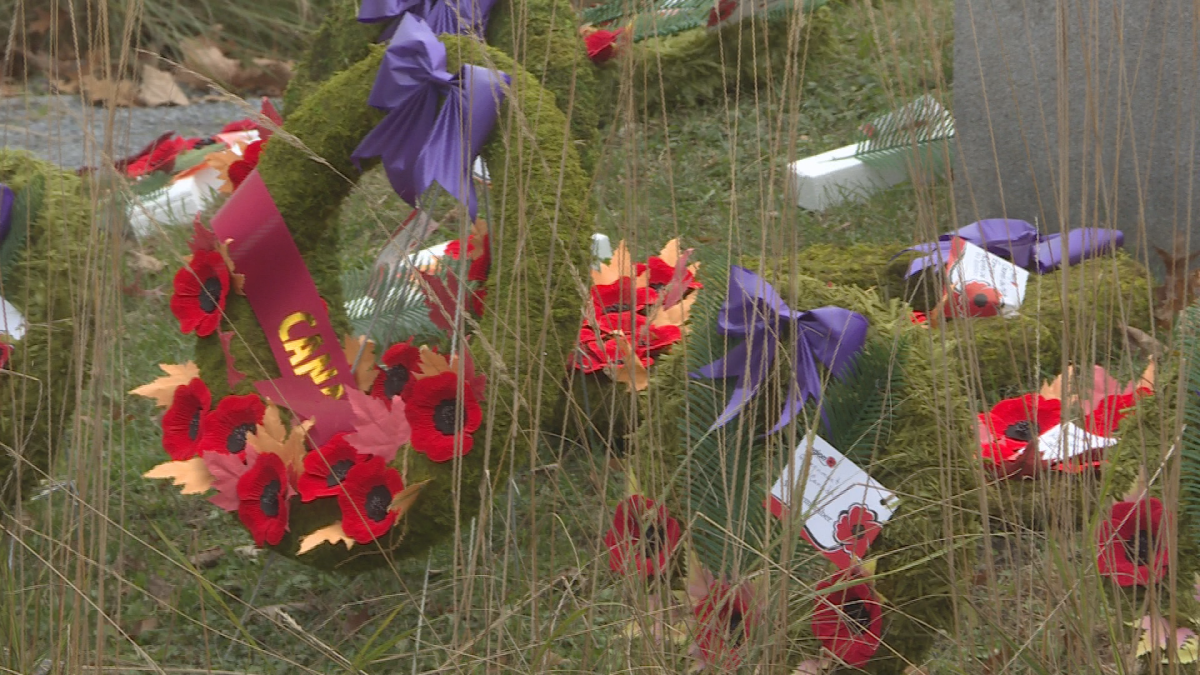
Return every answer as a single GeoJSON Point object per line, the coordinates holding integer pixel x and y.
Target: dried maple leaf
{"type": "Point", "coordinates": [117, 93]}
{"type": "Point", "coordinates": [630, 369]}
{"type": "Point", "coordinates": [232, 375]}
{"type": "Point", "coordinates": [273, 437]}
{"type": "Point", "coordinates": [226, 470]}
{"type": "Point", "coordinates": [1178, 289]}
{"type": "Point", "coordinates": [405, 498]}
{"type": "Point", "coordinates": [619, 266]}
{"type": "Point", "coordinates": [191, 475]}
{"type": "Point", "coordinates": [204, 58]}
{"type": "Point", "coordinates": [431, 363]}
{"type": "Point", "coordinates": [360, 353]}
{"type": "Point", "coordinates": [163, 389]}
{"type": "Point", "coordinates": [676, 315]}
{"type": "Point", "coordinates": [159, 88]}
{"type": "Point", "coordinates": [331, 534]}
{"type": "Point", "coordinates": [239, 280]}
{"type": "Point", "coordinates": [378, 430]}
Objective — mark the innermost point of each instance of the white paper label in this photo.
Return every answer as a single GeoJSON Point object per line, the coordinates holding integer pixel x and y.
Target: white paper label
{"type": "Point", "coordinates": [1064, 441]}
{"type": "Point", "coordinates": [11, 321]}
{"type": "Point", "coordinates": [980, 277]}
{"type": "Point", "coordinates": [843, 507]}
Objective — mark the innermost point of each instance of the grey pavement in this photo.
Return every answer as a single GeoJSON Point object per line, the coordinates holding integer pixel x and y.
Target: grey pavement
{"type": "Point", "coordinates": [63, 130]}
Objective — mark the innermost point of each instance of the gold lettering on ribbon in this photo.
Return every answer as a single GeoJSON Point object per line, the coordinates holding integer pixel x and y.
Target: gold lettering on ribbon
{"type": "Point", "coordinates": [303, 354]}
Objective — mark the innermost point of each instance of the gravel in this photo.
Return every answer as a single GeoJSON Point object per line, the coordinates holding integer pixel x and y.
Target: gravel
{"type": "Point", "coordinates": [63, 130]}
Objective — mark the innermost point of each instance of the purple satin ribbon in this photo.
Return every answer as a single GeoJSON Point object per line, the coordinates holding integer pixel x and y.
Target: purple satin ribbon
{"type": "Point", "coordinates": [1020, 243]}
{"type": "Point", "coordinates": [418, 144]}
{"type": "Point", "coordinates": [754, 310]}
{"type": "Point", "coordinates": [6, 206]}
{"type": "Point", "coordinates": [447, 16]}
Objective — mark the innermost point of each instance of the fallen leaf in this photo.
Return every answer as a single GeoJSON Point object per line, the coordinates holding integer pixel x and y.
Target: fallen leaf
{"type": "Point", "coordinates": [208, 61]}
{"type": "Point", "coordinates": [272, 437]}
{"type": "Point", "coordinates": [263, 76]}
{"type": "Point", "coordinates": [378, 430]}
{"type": "Point", "coordinates": [207, 558]}
{"type": "Point", "coordinates": [146, 263]}
{"type": "Point", "coordinates": [163, 389]}
{"type": "Point", "coordinates": [191, 475]}
{"type": "Point", "coordinates": [630, 369]}
{"type": "Point", "coordinates": [431, 363]}
{"type": "Point", "coordinates": [356, 620]}
{"type": "Point", "coordinates": [405, 498]}
{"type": "Point", "coordinates": [364, 365]}
{"type": "Point", "coordinates": [239, 280]}
{"type": "Point", "coordinates": [159, 88]}
{"type": "Point", "coordinates": [676, 315]}
{"type": "Point", "coordinates": [233, 376]}
{"type": "Point", "coordinates": [226, 470]}
{"type": "Point", "coordinates": [119, 93]}
{"type": "Point", "coordinates": [619, 266]}
{"type": "Point", "coordinates": [1147, 378]}
{"type": "Point", "coordinates": [332, 535]}
{"type": "Point", "coordinates": [158, 588]}
{"type": "Point", "coordinates": [142, 626]}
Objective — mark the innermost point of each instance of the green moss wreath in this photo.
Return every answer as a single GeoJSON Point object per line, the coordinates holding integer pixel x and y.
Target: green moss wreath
{"type": "Point", "coordinates": [49, 284]}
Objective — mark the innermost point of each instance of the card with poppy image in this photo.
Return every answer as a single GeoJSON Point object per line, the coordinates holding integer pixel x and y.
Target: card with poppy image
{"type": "Point", "coordinates": [982, 284]}
{"type": "Point", "coordinates": [844, 507]}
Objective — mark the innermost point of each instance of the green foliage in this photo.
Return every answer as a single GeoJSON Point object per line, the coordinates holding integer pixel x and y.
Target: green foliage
{"type": "Point", "coordinates": [340, 42]}
{"type": "Point", "coordinates": [386, 308]}
{"type": "Point", "coordinates": [1189, 477]}
{"type": "Point", "coordinates": [26, 206]}
{"type": "Point", "coordinates": [859, 408]}
{"type": "Point", "coordinates": [673, 16]}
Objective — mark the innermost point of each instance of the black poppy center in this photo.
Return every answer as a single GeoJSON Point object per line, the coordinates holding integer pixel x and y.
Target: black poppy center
{"type": "Point", "coordinates": [1139, 549]}
{"type": "Point", "coordinates": [236, 442]}
{"type": "Point", "coordinates": [194, 426]}
{"type": "Point", "coordinates": [337, 472]}
{"type": "Point", "coordinates": [1020, 431]}
{"type": "Point", "coordinates": [620, 307]}
{"type": "Point", "coordinates": [736, 633]}
{"type": "Point", "coordinates": [445, 417]}
{"type": "Point", "coordinates": [268, 501]}
{"type": "Point", "coordinates": [210, 295]}
{"type": "Point", "coordinates": [857, 530]}
{"type": "Point", "coordinates": [395, 381]}
{"type": "Point", "coordinates": [654, 539]}
{"type": "Point", "coordinates": [981, 300]}
{"type": "Point", "coordinates": [379, 500]}
{"type": "Point", "coordinates": [859, 615]}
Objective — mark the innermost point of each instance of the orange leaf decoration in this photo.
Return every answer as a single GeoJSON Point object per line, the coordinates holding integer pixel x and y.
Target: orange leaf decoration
{"type": "Point", "coordinates": [364, 366]}
{"type": "Point", "coordinates": [405, 498]}
{"type": "Point", "coordinates": [163, 389]}
{"type": "Point", "coordinates": [332, 535]}
{"type": "Point", "coordinates": [191, 475]}
{"type": "Point", "coordinates": [430, 364]}
{"type": "Point", "coordinates": [619, 266]}
{"type": "Point", "coordinates": [273, 437]}
{"type": "Point", "coordinates": [674, 316]}
{"type": "Point", "coordinates": [1147, 379]}
{"type": "Point", "coordinates": [630, 371]}
{"type": "Point", "coordinates": [239, 280]}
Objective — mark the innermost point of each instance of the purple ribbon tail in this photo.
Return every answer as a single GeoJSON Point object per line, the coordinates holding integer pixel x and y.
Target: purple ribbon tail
{"type": "Point", "coordinates": [805, 385]}
{"type": "Point", "coordinates": [6, 207]}
{"type": "Point", "coordinates": [748, 362]}
{"type": "Point", "coordinates": [460, 16]}
{"type": "Point", "coordinates": [445, 158]}
{"type": "Point", "coordinates": [374, 11]}
{"type": "Point", "coordinates": [1082, 243]}
{"type": "Point", "coordinates": [1010, 239]}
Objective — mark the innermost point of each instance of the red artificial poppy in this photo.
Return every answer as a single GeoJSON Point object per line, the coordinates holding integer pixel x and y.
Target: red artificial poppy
{"type": "Point", "coordinates": [725, 618]}
{"type": "Point", "coordinates": [855, 529]}
{"type": "Point", "coordinates": [1106, 418]}
{"type": "Point", "coordinates": [366, 502]}
{"type": "Point", "coordinates": [240, 169]}
{"type": "Point", "coordinates": [848, 621]}
{"type": "Point", "coordinates": [1013, 423]}
{"type": "Point", "coordinates": [263, 493]}
{"type": "Point", "coordinates": [433, 408]}
{"type": "Point", "coordinates": [6, 351]}
{"type": "Point", "coordinates": [268, 111]}
{"type": "Point", "coordinates": [1133, 543]}
{"type": "Point", "coordinates": [225, 428]}
{"type": "Point", "coordinates": [662, 275]}
{"type": "Point", "coordinates": [596, 354]}
{"type": "Point", "coordinates": [478, 251]}
{"type": "Point", "coordinates": [621, 297]}
{"type": "Point", "coordinates": [658, 338]}
{"type": "Point", "coordinates": [643, 537]}
{"type": "Point", "coordinates": [918, 317]}
{"type": "Point", "coordinates": [158, 156]}
{"type": "Point", "coordinates": [621, 322]}
{"type": "Point", "coordinates": [181, 425]}
{"type": "Point", "coordinates": [601, 44]}
{"type": "Point", "coordinates": [400, 361]}
{"type": "Point", "coordinates": [721, 12]}
{"type": "Point", "coordinates": [325, 470]}
{"type": "Point", "coordinates": [201, 290]}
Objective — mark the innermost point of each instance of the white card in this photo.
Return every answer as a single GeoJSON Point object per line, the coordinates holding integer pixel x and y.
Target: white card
{"type": "Point", "coordinates": [1064, 441]}
{"type": "Point", "coordinates": [11, 321]}
{"type": "Point", "coordinates": [972, 266]}
{"type": "Point", "coordinates": [837, 490]}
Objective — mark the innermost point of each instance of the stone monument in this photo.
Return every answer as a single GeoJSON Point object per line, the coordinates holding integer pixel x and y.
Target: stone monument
{"type": "Point", "coordinates": [1078, 113]}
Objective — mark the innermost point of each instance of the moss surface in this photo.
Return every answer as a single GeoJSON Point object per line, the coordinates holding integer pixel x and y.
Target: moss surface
{"type": "Point", "coordinates": [340, 42]}
{"type": "Point", "coordinates": [49, 285]}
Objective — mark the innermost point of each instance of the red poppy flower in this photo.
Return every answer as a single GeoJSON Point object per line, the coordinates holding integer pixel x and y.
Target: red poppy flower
{"type": "Point", "coordinates": [366, 502]}
{"type": "Point", "coordinates": [596, 354]}
{"type": "Point", "coordinates": [263, 493]}
{"type": "Point", "coordinates": [642, 538]}
{"type": "Point", "coordinates": [6, 351]}
{"type": "Point", "coordinates": [918, 317]}
{"type": "Point", "coordinates": [855, 529]}
{"type": "Point", "coordinates": [480, 254]}
{"type": "Point", "coordinates": [1133, 543]}
{"type": "Point", "coordinates": [181, 425]}
{"type": "Point", "coordinates": [662, 274]}
{"type": "Point", "coordinates": [849, 621]}
{"type": "Point", "coordinates": [243, 167]}
{"type": "Point", "coordinates": [158, 156]}
{"type": "Point", "coordinates": [400, 361]}
{"type": "Point", "coordinates": [325, 470]}
{"type": "Point", "coordinates": [1106, 418]}
{"type": "Point", "coordinates": [658, 338]}
{"type": "Point", "coordinates": [268, 110]}
{"type": "Point", "coordinates": [1014, 422]}
{"type": "Point", "coordinates": [725, 617]}
{"type": "Point", "coordinates": [601, 44]}
{"type": "Point", "coordinates": [432, 407]}
{"type": "Point", "coordinates": [721, 12]}
{"type": "Point", "coordinates": [201, 290]}
{"type": "Point", "coordinates": [621, 297]}
{"type": "Point", "coordinates": [225, 428]}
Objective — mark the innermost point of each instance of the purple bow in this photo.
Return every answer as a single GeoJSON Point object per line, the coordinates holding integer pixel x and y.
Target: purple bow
{"type": "Point", "coordinates": [447, 16]}
{"type": "Point", "coordinates": [418, 144]}
{"type": "Point", "coordinates": [1019, 242]}
{"type": "Point", "coordinates": [753, 310]}
{"type": "Point", "coordinates": [6, 206]}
